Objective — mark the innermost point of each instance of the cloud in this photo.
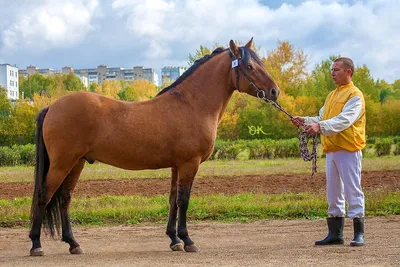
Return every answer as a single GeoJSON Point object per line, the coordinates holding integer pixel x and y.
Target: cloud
{"type": "Point", "coordinates": [154, 32]}
{"type": "Point", "coordinates": [48, 24]}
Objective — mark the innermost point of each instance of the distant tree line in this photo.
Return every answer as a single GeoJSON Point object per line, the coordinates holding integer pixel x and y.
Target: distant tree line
{"type": "Point", "coordinates": [302, 93]}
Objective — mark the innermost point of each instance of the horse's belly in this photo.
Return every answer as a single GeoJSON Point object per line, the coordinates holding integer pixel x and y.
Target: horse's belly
{"type": "Point", "coordinates": [131, 160]}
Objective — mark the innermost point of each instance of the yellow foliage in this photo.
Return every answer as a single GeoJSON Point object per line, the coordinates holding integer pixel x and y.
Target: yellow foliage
{"type": "Point", "coordinates": [228, 127]}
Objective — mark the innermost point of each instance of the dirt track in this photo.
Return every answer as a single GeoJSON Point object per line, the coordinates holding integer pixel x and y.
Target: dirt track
{"type": "Point", "coordinates": [265, 243]}
{"type": "Point", "coordinates": [272, 184]}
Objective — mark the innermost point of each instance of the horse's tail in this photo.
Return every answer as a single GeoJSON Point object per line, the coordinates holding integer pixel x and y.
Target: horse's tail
{"type": "Point", "coordinates": [51, 214]}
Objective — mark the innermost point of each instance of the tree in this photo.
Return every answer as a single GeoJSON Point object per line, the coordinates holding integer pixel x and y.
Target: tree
{"type": "Point", "coordinates": [322, 78]}
{"type": "Point", "coordinates": [36, 83]}
{"type": "Point", "coordinates": [138, 90]}
{"type": "Point", "coordinates": [5, 116]}
{"type": "Point", "coordinates": [201, 52]}
{"type": "Point", "coordinates": [72, 82]}
{"type": "Point", "coordinates": [363, 80]}
{"type": "Point", "coordinates": [287, 66]}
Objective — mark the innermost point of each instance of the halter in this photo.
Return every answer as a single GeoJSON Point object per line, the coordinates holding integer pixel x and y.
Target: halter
{"type": "Point", "coordinates": [260, 93]}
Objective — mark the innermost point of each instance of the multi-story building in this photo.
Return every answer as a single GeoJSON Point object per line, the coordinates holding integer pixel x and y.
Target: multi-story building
{"type": "Point", "coordinates": [169, 74]}
{"type": "Point", "coordinates": [9, 80]}
{"type": "Point", "coordinates": [102, 73]}
{"type": "Point", "coordinates": [151, 75]}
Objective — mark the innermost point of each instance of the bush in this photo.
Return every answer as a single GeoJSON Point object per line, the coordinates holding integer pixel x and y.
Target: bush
{"type": "Point", "coordinates": [18, 155]}
{"type": "Point", "coordinates": [27, 154]}
{"type": "Point", "coordinates": [287, 148]}
{"type": "Point", "coordinates": [261, 149]}
{"type": "Point", "coordinates": [9, 157]}
{"type": "Point", "coordinates": [382, 146]}
{"type": "Point", "coordinates": [397, 149]}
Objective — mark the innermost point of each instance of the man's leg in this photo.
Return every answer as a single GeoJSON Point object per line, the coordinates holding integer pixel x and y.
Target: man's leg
{"type": "Point", "coordinates": [350, 171]}
{"type": "Point", "coordinates": [336, 204]}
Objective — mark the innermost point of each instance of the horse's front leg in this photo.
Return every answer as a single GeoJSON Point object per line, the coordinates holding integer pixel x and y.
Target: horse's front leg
{"type": "Point", "coordinates": [186, 174]}
{"type": "Point", "coordinates": [176, 244]}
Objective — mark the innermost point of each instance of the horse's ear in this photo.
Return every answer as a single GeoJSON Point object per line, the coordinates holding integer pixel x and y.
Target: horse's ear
{"type": "Point", "coordinates": [234, 48]}
{"type": "Point", "coordinates": [250, 44]}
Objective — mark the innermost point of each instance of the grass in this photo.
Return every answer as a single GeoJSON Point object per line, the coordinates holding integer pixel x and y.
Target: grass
{"type": "Point", "coordinates": [113, 210]}
{"type": "Point", "coordinates": [209, 168]}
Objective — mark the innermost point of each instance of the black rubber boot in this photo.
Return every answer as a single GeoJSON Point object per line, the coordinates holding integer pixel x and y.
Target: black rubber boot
{"type": "Point", "coordinates": [335, 235]}
{"type": "Point", "coordinates": [358, 240]}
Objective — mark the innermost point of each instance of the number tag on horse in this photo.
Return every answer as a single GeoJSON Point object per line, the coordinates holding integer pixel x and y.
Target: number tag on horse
{"type": "Point", "coordinates": [235, 63]}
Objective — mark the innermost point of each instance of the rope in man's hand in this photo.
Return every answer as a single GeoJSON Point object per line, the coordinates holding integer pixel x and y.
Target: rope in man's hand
{"type": "Point", "coordinates": [304, 137]}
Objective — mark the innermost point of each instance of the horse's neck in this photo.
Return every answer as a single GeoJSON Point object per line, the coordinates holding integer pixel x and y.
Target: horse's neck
{"type": "Point", "coordinates": [209, 88]}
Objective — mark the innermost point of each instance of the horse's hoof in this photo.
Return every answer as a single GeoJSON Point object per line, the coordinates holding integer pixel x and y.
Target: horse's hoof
{"type": "Point", "coordinates": [76, 250]}
{"type": "Point", "coordinates": [192, 248]}
{"type": "Point", "coordinates": [37, 252]}
{"type": "Point", "coordinates": [177, 247]}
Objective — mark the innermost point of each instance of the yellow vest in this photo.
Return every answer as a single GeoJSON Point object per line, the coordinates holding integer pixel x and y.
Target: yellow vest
{"type": "Point", "coordinates": [353, 138]}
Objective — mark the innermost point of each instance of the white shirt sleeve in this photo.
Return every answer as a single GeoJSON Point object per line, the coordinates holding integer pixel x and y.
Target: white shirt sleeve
{"type": "Point", "coordinates": [351, 112]}
{"type": "Point", "coordinates": [309, 120]}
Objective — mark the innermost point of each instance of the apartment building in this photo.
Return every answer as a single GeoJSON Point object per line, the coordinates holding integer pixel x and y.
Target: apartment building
{"type": "Point", "coordinates": [170, 73]}
{"type": "Point", "coordinates": [9, 80]}
{"type": "Point", "coordinates": [103, 73]}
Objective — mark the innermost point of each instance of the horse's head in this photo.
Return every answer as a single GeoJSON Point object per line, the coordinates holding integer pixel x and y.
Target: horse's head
{"type": "Point", "coordinates": [249, 74]}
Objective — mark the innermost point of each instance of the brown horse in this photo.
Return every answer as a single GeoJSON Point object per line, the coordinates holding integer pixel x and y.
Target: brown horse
{"type": "Point", "coordinates": [176, 129]}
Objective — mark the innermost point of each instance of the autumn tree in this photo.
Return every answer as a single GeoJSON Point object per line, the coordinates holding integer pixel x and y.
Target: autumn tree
{"type": "Point", "coordinates": [288, 67]}
{"type": "Point", "coordinates": [5, 116]}
{"type": "Point", "coordinates": [363, 80]}
{"type": "Point", "coordinates": [138, 90]}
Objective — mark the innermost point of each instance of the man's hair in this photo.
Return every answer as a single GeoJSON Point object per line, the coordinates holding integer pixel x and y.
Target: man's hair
{"type": "Point", "coordinates": [348, 62]}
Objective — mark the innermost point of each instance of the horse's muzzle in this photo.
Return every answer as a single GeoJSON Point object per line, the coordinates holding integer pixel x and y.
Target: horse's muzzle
{"type": "Point", "coordinates": [274, 94]}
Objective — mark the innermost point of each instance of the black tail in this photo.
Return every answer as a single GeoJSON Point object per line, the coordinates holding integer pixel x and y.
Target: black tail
{"type": "Point", "coordinates": [52, 212]}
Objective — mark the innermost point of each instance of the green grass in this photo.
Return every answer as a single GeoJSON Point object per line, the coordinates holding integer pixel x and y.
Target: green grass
{"type": "Point", "coordinates": [209, 168]}
{"type": "Point", "coordinates": [113, 210]}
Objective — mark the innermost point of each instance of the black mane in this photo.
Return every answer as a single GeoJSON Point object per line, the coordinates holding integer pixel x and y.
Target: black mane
{"type": "Point", "coordinates": [246, 54]}
{"type": "Point", "coordinates": [194, 67]}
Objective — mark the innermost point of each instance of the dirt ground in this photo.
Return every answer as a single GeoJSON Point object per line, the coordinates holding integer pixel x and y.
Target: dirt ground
{"type": "Point", "coordinates": [262, 243]}
{"type": "Point", "coordinates": [271, 184]}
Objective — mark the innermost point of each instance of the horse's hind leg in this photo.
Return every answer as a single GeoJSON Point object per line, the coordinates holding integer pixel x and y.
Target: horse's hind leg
{"type": "Point", "coordinates": [54, 179]}
{"type": "Point", "coordinates": [176, 244]}
{"type": "Point", "coordinates": [186, 174]}
{"type": "Point", "coordinates": [66, 189]}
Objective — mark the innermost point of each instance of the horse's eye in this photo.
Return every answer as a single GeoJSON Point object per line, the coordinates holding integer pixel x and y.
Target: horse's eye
{"type": "Point", "coordinates": [249, 67]}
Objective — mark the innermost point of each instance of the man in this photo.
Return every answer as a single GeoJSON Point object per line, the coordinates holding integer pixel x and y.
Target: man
{"type": "Point", "coordinates": [341, 123]}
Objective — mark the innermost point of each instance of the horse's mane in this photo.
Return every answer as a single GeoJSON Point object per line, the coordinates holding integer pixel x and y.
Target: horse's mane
{"type": "Point", "coordinates": [247, 53]}
{"type": "Point", "coordinates": [194, 67]}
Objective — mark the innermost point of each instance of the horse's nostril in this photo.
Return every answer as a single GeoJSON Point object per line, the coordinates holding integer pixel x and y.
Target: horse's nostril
{"type": "Point", "coordinates": [273, 92]}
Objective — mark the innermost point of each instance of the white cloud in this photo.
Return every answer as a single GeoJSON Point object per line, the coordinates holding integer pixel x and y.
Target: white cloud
{"type": "Point", "coordinates": [156, 31]}
{"type": "Point", "coordinates": [47, 24]}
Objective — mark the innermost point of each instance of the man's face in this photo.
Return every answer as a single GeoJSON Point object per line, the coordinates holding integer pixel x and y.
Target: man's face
{"type": "Point", "coordinates": [341, 74]}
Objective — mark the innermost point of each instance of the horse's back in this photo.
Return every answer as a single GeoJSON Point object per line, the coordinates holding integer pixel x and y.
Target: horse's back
{"type": "Point", "coordinates": [130, 135]}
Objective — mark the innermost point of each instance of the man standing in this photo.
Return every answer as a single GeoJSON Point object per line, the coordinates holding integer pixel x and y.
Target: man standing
{"type": "Point", "coordinates": [341, 123]}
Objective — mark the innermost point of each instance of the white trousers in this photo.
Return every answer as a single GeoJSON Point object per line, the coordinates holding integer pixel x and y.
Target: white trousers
{"type": "Point", "coordinates": [343, 182]}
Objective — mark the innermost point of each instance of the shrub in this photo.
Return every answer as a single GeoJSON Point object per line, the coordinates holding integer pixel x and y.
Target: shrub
{"type": "Point", "coordinates": [9, 157]}
{"type": "Point", "coordinates": [27, 154]}
{"type": "Point", "coordinates": [287, 148]}
{"type": "Point", "coordinates": [382, 146]}
{"type": "Point", "coordinates": [397, 149]}
{"type": "Point", "coordinates": [261, 149]}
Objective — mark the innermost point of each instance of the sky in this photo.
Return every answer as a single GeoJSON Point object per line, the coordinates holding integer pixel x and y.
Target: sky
{"type": "Point", "coordinates": [158, 33]}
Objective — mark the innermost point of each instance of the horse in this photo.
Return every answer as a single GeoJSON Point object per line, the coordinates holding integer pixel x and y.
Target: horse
{"type": "Point", "coordinates": [176, 129]}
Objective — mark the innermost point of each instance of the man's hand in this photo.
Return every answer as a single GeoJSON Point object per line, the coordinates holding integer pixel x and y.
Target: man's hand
{"type": "Point", "coordinates": [313, 128]}
{"type": "Point", "coordinates": [299, 119]}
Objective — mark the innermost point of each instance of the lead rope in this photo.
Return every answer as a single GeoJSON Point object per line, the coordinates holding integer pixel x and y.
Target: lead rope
{"type": "Point", "coordinates": [303, 137]}
{"type": "Point", "coordinates": [301, 134]}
